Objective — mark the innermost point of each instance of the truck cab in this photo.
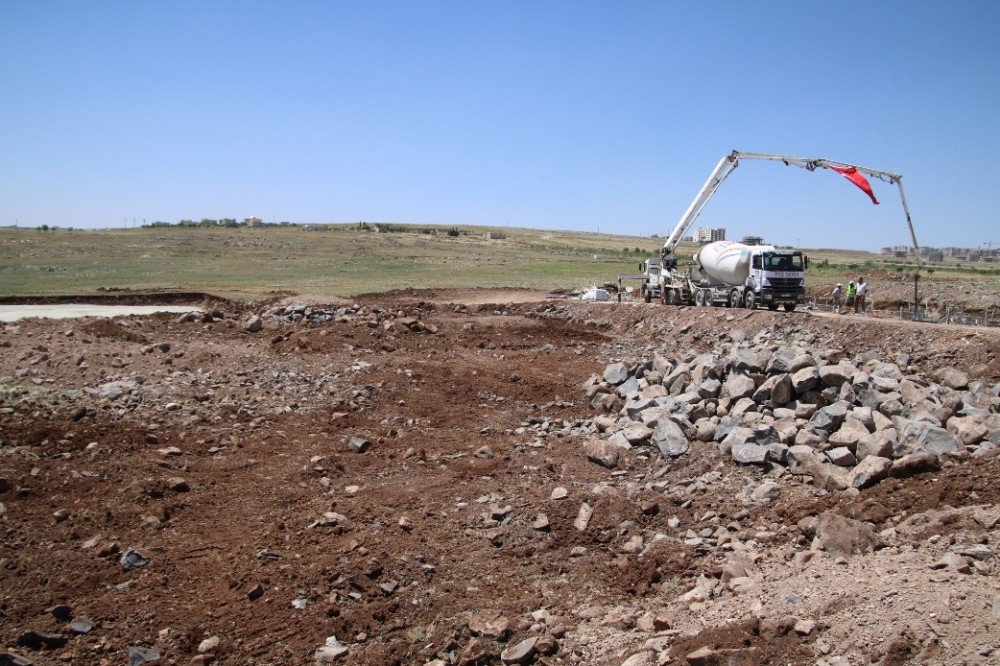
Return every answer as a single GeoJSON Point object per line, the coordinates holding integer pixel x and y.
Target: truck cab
{"type": "Point", "coordinates": [778, 277]}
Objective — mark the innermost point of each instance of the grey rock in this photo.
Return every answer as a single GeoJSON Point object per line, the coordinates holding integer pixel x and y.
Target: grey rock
{"type": "Point", "coordinates": [841, 456]}
{"type": "Point", "coordinates": [953, 378]}
{"type": "Point", "coordinates": [628, 387]}
{"type": "Point", "coordinates": [603, 453]}
{"type": "Point", "coordinates": [670, 439]}
{"type": "Point", "coordinates": [520, 653]}
{"type": "Point", "coordinates": [767, 491]}
{"type": "Point", "coordinates": [726, 425]}
{"type": "Point", "coordinates": [358, 444]}
{"type": "Point", "coordinates": [918, 438]}
{"type": "Point", "coordinates": [805, 379]}
{"type": "Point", "coordinates": [138, 655]}
{"type": "Point", "coordinates": [331, 651]}
{"type": "Point", "coordinates": [829, 418]}
{"type": "Point", "coordinates": [879, 443]}
{"type": "Point", "coordinates": [253, 324]}
{"type": "Point", "coordinates": [782, 359]}
{"type": "Point", "coordinates": [977, 551]}
{"type": "Point", "coordinates": [637, 433]}
{"type": "Point", "coordinates": [615, 374]}
{"type": "Point", "coordinates": [739, 386]}
{"type": "Point", "coordinates": [836, 375]}
{"type": "Point", "coordinates": [969, 429]}
{"type": "Point", "coordinates": [870, 471]}
{"type": "Point", "coordinates": [80, 625]}
{"type": "Point", "coordinates": [132, 559]}
{"type": "Point", "coordinates": [849, 434]}
{"type": "Point", "coordinates": [745, 360]}
{"type": "Point", "coordinates": [710, 388]}
{"type": "Point", "coordinates": [844, 536]}
{"type": "Point", "coordinates": [749, 453]}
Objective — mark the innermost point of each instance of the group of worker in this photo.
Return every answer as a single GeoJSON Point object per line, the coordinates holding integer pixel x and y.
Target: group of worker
{"type": "Point", "coordinates": [856, 296]}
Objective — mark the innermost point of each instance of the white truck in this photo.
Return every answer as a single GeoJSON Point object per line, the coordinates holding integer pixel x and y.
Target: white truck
{"type": "Point", "coordinates": [733, 274]}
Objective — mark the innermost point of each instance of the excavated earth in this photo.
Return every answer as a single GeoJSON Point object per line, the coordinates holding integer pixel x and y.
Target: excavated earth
{"type": "Point", "coordinates": [399, 480]}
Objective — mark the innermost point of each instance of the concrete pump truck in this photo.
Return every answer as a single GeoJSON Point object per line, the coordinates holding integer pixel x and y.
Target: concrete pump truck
{"type": "Point", "coordinates": [738, 275]}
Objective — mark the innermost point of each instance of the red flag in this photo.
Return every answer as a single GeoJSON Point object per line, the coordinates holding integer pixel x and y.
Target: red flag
{"type": "Point", "coordinates": [856, 177]}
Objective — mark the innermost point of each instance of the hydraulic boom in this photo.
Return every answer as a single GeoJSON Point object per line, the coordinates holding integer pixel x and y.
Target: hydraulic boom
{"type": "Point", "coordinates": [728, 163]}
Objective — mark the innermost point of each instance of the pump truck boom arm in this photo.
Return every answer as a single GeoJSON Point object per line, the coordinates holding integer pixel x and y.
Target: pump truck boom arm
{"type": "Point", "coordinates": [729, 162]}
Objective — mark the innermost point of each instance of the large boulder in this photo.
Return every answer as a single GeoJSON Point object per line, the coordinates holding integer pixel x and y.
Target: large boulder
{"type": "Point", "coordinates": [745, 360]}
{"type": "Point", "coordinates": [739, 386]}
{"type": "Point", "coordinates": [838, 535]}
{"type": "Point", "coordinates": [918, 438]}
{"type": "Point", "coordinates": [615, 373]}
{"type": "Point", "coordinates": [777, 389]}
{"type": "Point", "coordinates": [603, 452]}
{"type": "Point", "coordinates": [836, 375]}
{"type": "Point", "coordinates": [878, 443]}
{"type": "Point", "coordinates": [870, 471]}
{"type": "Point", "coordinates": [670, 439]}
{"type": "Point", "coordinates": [830, 418]}
{"type": "Point", "coordinates": [849, 434]}
{"type": "Point", "coordinates": [953, 378]}
{"type": "Point", "coordinates": [969, 429]}
{"type": "Point", "coordinates": [805, 379]}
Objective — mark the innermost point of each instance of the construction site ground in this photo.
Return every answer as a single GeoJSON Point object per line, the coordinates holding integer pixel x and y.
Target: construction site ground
{"type": "Point", "coordinates": [222, 457]}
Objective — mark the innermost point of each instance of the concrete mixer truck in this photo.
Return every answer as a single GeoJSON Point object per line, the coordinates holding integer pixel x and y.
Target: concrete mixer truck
{"type": "Point", "coordinates": [730, 274]}
{"type": "Point", "coordinates": [733, 274]}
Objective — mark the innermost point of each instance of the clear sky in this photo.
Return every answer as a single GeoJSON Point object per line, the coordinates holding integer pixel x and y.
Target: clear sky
{"type": "Point", "coordinates": [562, 115]}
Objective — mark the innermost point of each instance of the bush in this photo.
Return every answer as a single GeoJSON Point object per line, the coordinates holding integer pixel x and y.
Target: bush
{"type": "Point", "coordinates": [453, 232]}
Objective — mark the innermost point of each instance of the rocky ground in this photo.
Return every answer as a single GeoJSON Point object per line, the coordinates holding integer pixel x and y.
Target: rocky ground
{"type": "Point", "coordinates": [426, 477]}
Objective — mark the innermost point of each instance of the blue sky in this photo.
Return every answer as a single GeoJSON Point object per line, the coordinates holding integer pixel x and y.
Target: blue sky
{"type": "Point", "coordinates": [563, 115]}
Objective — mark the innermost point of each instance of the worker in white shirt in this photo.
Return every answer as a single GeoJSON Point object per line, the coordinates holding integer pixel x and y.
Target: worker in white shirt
{"type": "Point", "coordinates": [838, 296]}
{"type": "Point", "coordinates": [859, 302]}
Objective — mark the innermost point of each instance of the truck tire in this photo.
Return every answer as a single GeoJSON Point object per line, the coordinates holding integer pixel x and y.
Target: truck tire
{"type": "Point", "coordinates": [734, 298]}
{"type": "Point", "coordinates": [699, 298]}
{"type": "Point", "coordinates": [789, 307]}
{"type": "Point", "coordinates": [646, 295]}
{"type": "Point", "coordinates": [772, 306]}
{"type": "Point", "coordinates": [672, 297]}
{"type": "Point", "coordinates": [750, 300]}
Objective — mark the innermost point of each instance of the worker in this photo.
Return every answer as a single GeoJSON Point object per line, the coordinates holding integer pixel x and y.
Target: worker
{"type": "Point", "coordinates": [859, 302]}
{"type": "Point", "coordinates": [852, 292]}
{"type": "Point", "coordinates": [838, 296]}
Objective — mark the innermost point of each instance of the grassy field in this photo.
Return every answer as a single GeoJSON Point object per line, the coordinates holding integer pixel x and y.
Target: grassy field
{"type": "Point", "coordinates": [344, 261]}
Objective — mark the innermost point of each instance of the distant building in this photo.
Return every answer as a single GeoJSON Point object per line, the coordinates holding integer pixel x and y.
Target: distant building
{"type": "Point", "coordinates": [752, 240]}
{"type": "Point", "coordinates": [495, 235]}
{"type": "Point", "coordinates": [935, 255]}
{"type": "Point", "coordinates": [710, 234]}
{"type": "Point", "coordinates": [253, 222]}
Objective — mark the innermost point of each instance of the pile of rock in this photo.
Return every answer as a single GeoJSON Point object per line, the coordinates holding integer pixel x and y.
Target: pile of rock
{"type": "Point", "coordinates": [371, 316]}
{"type": "Point", "coordinates": [812, 412]}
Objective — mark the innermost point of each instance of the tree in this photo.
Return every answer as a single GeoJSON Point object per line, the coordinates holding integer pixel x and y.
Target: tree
{"type": "Point", "coordinates": [453, 232]}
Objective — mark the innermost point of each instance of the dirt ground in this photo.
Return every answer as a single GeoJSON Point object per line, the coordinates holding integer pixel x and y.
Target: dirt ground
{"type": "Point", "coordinates": [223, 457]}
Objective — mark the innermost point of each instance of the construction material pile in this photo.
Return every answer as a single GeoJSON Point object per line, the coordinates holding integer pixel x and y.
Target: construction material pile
{"type": "Point", "coordinates": [810, 412]}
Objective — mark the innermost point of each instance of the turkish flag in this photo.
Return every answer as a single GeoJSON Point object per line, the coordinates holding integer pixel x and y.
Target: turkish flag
{"type": "Point", "coordinates": [856, 177]}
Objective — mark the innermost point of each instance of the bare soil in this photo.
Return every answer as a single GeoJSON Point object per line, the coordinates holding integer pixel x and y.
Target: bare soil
{"type": "Point", "coordinates": [433, 527]}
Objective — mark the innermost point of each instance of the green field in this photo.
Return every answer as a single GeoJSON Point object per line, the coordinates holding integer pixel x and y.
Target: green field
{"type": "Point", "coordinates": [345, 261]}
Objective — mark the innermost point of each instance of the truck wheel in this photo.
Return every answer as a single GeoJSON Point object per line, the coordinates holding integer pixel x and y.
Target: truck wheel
{"type": "Point", "coordinates": [734, 298]}
{"type": "Point", "coordinates": [671, 297]}
{"type": "Point", "coordinates": [789, 307]}
{"type": "Point", "coordinates": [772, 306]}
{"type": "Point", "coordinates": [699, 298]}
{"type": "Point", "coordinates": [750, 300]}
{"type": "Point", "coordinates": [646, 295]}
